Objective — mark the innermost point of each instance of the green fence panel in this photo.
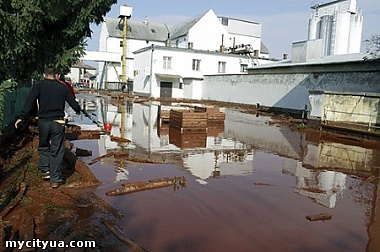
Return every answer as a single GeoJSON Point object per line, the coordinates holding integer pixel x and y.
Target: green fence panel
{"type": "Point", "coordinates": [11, 104]}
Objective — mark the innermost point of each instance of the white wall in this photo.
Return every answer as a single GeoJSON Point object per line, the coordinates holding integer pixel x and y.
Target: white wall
{"type": "Point", "coordinates": [342, 33]}
{"type": "Point", "coordinates": [306, 50]}
{"type": "Point", "coordinates": [206, 34]}
{"type": "Point", "coordinates": [289, 91]}
{"type": "Point", "coordinates": [242, 32]}
{"type": "Point", "coordinates": [182, 60]}
{"type": "Point", "coordinates": [356, 26]}
{"type": "Point", "coordinates": [74, 75]}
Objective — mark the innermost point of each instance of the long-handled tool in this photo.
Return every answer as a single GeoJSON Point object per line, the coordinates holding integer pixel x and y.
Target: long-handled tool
{"type": "Point", "coordinates": [92, 119]}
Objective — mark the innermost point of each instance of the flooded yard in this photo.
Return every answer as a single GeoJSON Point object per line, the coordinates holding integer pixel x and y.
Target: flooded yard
{"type": "Point", "coordinates": [250, 185]}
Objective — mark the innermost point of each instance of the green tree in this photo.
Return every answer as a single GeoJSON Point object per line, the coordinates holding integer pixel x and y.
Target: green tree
{"type": "Point", "coordinates": [373, 46]}
{"type": "Point", "coordinates": [36, 33]}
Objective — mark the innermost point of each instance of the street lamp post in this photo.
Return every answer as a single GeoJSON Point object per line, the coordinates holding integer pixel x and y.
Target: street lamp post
{"type": "Point", "coordinates": [125, 14]}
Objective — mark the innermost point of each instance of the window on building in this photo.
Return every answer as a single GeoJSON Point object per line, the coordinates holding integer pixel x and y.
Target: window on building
{"type": "Point", "coordinates": [167, 62]}
{"type": "Point", "coordinates": [153, 30]}
{"type": "Point", "coordinates": [221, 67]}
{"type": "Point", "coordinates": [224, 21]}
{"type": "Point", "coordinates": [196, 64]}
{"type": "Point", "coordinates": [243, 68]}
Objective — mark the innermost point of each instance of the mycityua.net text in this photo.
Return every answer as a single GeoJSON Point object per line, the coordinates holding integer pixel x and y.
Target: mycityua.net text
{"type": "Point", "coordinates": [37, 243]}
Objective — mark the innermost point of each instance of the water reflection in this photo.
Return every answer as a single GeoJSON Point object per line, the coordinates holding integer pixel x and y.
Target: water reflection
{"type": "Point", "coordinates": [320, 168]}
{"type": "Point", "coordinates": [324, 172]}
{"type": "Point", "coordinates": [208, 152]}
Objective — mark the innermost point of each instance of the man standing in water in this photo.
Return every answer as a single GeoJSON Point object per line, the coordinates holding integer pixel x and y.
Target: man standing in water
{"type": "Point", "coordinates": [50, 96]}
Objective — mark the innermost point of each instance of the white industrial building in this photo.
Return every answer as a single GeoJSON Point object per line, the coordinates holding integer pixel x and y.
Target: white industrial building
{"type": "Point", "coordinates": [335, 28]}
{"type": "Point", "coordinates": [171, 61]}
{"type": "Point", "coordinates": [204, 32]}
{"type": "Point", "coordinates": [170, 72]}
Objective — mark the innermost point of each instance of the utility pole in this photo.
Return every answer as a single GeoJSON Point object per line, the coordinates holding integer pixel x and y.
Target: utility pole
{"type": "Point", "coordinates": [125, 14]}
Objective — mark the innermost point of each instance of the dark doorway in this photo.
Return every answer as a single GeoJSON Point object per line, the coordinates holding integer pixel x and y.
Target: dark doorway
{"type": "Point", "coordinates": [166, 89]}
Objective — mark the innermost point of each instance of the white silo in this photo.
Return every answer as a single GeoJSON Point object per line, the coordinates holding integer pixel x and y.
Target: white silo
{"type": "Point", "coordinates": [342, 32]}
{"type": "Point", "coordinates": [313, 27]}
{"type": "Point", "coordinates": [352, 6]}
{"type": "Point", "coordinates": [338, 24]}
{"type": "Point", "coordinates": [325, 33]}
{"type": "Point", "coordinates": [354, 41]}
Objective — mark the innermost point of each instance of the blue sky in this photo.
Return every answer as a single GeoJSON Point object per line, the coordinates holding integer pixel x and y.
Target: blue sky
{"type": "Point", "coordinates": [283, 22]}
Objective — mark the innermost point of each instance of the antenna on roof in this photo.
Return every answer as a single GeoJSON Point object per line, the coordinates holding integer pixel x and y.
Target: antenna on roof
{"type": "Point", "coordinates": [315, 4]}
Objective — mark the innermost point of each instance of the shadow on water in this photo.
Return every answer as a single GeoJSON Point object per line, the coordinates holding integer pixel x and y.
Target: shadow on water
{"type": "Point", "coordinates": [249, 184]}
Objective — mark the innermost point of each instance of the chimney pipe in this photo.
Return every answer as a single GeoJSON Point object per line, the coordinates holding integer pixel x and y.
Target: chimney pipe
{"type": "Point", "coordinates": [221, 50]}
{"type": "Point", "coordinates": [168, 43]}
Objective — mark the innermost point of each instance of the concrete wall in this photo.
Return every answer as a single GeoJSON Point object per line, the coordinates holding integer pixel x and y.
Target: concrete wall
{"type": "Point", "coordinates": [306, 50]}
{"type": "Point", "coordinates": [285, 90]}
{"type": "Point", "coordinates": [345, 107]}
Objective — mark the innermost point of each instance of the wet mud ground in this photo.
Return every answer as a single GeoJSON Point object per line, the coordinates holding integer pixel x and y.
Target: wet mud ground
{"type": "Point", "coordinates": [259, 197]}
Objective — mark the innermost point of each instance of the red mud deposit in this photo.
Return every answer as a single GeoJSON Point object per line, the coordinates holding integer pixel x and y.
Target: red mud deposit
{"type": "Point", "coordinates": [31, 209]}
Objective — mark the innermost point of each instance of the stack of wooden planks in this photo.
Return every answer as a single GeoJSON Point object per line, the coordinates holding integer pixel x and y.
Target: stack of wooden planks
{"type": "Point", "coordinates": [188, 137]}
{"type": "Point", "coordinates": [187, 119]}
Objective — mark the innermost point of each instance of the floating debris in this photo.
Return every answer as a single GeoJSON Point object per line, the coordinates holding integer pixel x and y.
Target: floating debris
{"type": "Point", "coordinates": [82, 152]}
{"type": "Point", "coordinates": [100, 158]}
{"type": "Point", "coordinates": [319, 217]}
{"type": "Point", "coordinates": [125, 155]}
{"type": "Point", "coordinates": [120, 139]}
{"type": "Point", "coordinates": [370, 179]}
{"type": "Point", "coordinates": [127, 188]}
{"type": "Point", "coordinates": [262, 184]}
{"type": "Point", "coordinates": [314, 190]}
{"type": "Point", "coordinates": [121, 155]}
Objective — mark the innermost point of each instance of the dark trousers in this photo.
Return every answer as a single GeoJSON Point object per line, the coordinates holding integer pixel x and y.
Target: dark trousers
{"type": "Point", "coordinates": [51, 149]}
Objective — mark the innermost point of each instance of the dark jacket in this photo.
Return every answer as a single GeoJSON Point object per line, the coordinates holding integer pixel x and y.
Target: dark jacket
{"type": "Point", "coordinates": [51, 96]}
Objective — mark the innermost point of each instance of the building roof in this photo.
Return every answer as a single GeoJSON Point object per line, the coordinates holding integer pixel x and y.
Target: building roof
{"type": "Point", "coordinates": [263, 48]}
{"type": "Point", "coordinates": [319, 5]}
{"type": "Point", "coordinates": [139, 30]}
{"type": "Point", "coordinates": [238, 19]}
{"type": "Point", "coordinates": [333, 59]}
{"type": "Point", "coordinates": [81, 64]}
{"type": "Point", "coordinates": [144, 30]}
{"type": "Point", "coordinates": [182, 28]}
